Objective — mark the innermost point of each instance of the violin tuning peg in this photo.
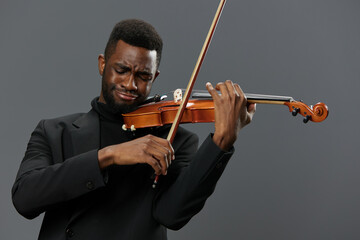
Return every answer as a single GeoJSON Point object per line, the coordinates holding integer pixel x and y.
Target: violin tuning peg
{"type": "Point", "coordinates": [307, 118]}
{"type": "Point", "coordinates": [295, 111]}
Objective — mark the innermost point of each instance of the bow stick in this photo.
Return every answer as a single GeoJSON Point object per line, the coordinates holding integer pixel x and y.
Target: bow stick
{"type": "Point", "coordinates": [193, 77]}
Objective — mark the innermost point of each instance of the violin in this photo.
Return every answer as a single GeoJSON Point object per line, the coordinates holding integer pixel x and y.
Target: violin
{"type": "Point", "coordinates": [158, 114]}
{"type": "Point", "coordinates": [201, 110]}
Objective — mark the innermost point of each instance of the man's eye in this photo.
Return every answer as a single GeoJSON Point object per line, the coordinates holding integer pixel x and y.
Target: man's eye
{"type": "Point", "coordinates": [120, 71]}
{"type": "Point", "coordinates": [145, 76]}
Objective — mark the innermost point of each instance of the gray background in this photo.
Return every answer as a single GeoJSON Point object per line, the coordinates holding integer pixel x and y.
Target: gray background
{"type": "Point", "coordinates": [287, 180]}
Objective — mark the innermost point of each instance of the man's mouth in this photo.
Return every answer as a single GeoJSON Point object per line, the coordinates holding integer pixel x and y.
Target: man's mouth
{"type": "Point", "coordinates": [126, 96]}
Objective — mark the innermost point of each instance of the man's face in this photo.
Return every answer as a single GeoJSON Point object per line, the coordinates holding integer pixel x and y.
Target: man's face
{"type": "Point", "coordinates": [127, 76]}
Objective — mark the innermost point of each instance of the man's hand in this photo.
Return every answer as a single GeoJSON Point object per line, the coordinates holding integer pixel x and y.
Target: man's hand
{"type": "Point", "coordinates": [232, 112]}
{"type": "Point", "coordinates": [155, 151]}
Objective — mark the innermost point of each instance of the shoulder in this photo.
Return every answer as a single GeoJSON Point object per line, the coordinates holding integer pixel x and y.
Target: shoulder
{"type": "Point", "coordinates": [62, 120]}
{"type": "Point", "coordinates": [68, 121]}
{"type": "Point", "coordinates": [65, 118]}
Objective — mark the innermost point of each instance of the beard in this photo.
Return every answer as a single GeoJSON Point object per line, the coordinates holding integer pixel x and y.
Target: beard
{"type": "Point", "coordinates": [118, 108]}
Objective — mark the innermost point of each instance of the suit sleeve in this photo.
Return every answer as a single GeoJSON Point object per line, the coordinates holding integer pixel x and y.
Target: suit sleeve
{"type": "Point", "coordinates": [41, 183]}
{"type": "Point", "coordinates": [195, 181]}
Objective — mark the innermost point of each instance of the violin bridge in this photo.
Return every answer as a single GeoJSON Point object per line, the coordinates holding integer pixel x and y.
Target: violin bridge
{"type": "Point", "coordinates": [178, 95]}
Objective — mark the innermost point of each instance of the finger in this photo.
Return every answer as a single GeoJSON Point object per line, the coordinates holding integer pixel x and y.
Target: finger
{"type": "Point", "coordinates": [149, 152]}
{"type": "Point", "coordinates": [154, 164]}
{"type": "Point", "coordinates": [245, 116]}
{"type": "Point", "coordinates": [243, 99]}
{"type": "Point", "coordinates": [223, 89]}
{"type": "Point", "coordinates": [231, 89]}
{"type": "Point", "coordinates": [217, 86]}
{"type": "Point", "coordinates": [251, 108]}
{"type": "Point", "coordinates": [166, 145]}
{"type": "Point", "coordinates": [171, 152]}
{"type": "Point", "coordinates": [160, 154]}
{"type": "Point", "coordinates": [158, 161]}
{"type": "Point", "coordinates": [212, 91]}
{"type": "Point", "coordinates": [238, 89]}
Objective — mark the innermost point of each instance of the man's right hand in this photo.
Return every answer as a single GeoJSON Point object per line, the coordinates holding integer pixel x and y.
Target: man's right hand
{"type": "Point", "coordinates": [155, 151]}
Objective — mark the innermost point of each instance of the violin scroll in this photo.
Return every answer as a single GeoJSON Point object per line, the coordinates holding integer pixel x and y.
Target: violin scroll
{"type": "Point", "coordinates": [316, 113]}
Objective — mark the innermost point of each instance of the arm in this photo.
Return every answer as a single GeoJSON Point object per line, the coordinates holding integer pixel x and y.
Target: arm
{"type": "Point", "coordinates": [41, 183]}
{"type": "Point", "coordinates": [187, 195]}
{"type": "Point", "coordinates": [152, 150]}
{"type": "Point", "coordinates": [192, 180]}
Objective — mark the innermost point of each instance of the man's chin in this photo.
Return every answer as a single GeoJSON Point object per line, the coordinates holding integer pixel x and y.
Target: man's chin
{"type": "Point", "coordinates": [119, 106]}
{"type": "Point", "coordinates": [123, 108]}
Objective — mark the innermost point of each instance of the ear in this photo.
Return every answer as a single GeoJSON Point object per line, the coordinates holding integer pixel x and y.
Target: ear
{"type": "Point", "coordinates": [101, 64]}
{"type": "Point", "coordinates": [156, 75]}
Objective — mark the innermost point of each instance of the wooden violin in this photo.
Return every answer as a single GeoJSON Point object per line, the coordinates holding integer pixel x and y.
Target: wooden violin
{"type": "Point", "coordinates": [201, 110]}
{"type": "Point", "coordinates": [170, 112]}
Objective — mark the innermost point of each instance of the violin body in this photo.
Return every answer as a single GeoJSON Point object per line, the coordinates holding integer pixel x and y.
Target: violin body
{"type": "Point", "coordinates": [164, 112]}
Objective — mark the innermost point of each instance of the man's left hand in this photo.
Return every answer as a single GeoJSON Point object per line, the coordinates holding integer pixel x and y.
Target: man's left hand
{"type": "Point", "coordinates": [232, 112]}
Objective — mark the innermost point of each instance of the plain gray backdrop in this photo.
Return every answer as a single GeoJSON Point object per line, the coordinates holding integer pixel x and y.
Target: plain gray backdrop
{"type": "Point", "coordinates": [287, 180]}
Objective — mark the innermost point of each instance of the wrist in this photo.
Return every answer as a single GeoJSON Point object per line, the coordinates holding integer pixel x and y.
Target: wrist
{"type": "Point", "coordinates": [105, 157]}
{"type": "Point", "coordinates": [222, 142]}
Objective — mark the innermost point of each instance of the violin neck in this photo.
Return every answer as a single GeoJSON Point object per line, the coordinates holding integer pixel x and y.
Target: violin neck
{"type": "Point", "coordinates": [267, 99]}
{"type": "Point", "coordinates": [252, 98]}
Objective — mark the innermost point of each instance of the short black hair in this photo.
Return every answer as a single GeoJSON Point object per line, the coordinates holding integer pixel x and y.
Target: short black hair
{"type": "Point", "coordinates": [137, 33]}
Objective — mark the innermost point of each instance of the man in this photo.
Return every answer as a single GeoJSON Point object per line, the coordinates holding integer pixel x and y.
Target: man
{"type": "Point", "coordinates": [93, 179]}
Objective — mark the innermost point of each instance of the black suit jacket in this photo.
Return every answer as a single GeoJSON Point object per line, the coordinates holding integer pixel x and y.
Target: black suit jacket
{"type": "Point", "coordinates": [60, 176]}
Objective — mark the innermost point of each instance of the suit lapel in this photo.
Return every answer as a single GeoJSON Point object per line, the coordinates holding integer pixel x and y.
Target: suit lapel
{"type": "Point", "coordinates": [85, 137]}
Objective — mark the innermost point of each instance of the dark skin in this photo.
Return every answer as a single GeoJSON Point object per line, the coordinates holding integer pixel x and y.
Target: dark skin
{"type": "Point", "coordinates": [129, 74]}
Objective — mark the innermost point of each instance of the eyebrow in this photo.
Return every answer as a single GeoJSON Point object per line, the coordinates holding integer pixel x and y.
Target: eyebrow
{"type": "Point", "coordinates": [122, 66]}
{"type": "Point", "coordinates": [144, 71]}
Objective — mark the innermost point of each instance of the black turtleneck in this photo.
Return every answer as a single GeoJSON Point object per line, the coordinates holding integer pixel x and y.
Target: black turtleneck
{"type": "Point", "coordinates": [111, 131]}
{"type": "Point", "coordinates": [111, 123]}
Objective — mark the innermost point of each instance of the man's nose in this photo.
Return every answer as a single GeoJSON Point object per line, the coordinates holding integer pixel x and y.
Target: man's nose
{"type": "Point", "coordinates": [129, 83]}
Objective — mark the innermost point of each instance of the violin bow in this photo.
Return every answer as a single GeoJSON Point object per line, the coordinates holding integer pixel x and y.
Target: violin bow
{"type": "Point", "coordinates": [193, 77]}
